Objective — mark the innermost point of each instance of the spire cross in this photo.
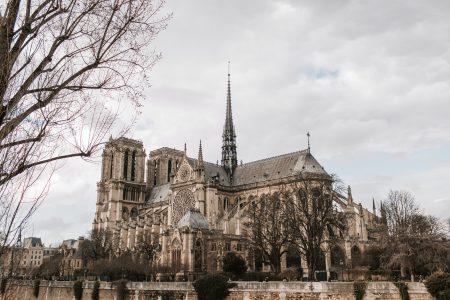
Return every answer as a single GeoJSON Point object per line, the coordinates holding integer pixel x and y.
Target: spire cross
{"type": "Point", "coordinates": [309, 147]}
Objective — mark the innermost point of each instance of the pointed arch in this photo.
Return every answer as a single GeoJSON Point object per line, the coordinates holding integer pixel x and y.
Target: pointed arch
{"type": "Point", "coordinates": [125, 164]}
{"type": "Point", "coordinates": [111, 165]}
{"type": "Point", "coordinates": [133, 165]}
{"type": "Point", "coordinates": [169, 170]}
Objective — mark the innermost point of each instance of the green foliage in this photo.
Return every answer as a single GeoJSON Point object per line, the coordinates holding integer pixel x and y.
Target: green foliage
{"type": "Point", "coordinates": [359, 289]}
{"type": "Point", "coordinates": [403, 289]}
{"type": "Point", "coordinates": [3, 286]}
{"type": "Point", "coordinates": [36, 286]}
{"type": "Point", "coordinates": [212, 287]}
{"type": "Point", "coordinates": [78, 290]}
{"type": "Point", "coordinates": [121, 289]}
{"type": "Point", "coordinates": [234, 264]}
{"type": "Point", "coordinates": [437, 283]}
{"type": "Point", "coordinates": [96, 291]}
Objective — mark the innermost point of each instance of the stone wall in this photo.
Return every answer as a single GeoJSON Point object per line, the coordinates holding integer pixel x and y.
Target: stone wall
{"type": "Point", "coordinates": [60, 290]}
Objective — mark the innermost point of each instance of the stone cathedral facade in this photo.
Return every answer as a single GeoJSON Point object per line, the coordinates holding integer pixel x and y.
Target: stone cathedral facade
{"type": "Point", "coordinates": [194, 208]}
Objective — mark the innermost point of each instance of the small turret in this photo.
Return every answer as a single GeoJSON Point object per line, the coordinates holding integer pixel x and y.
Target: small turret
{"type": "Point", "coordinates": [349, 195]}
{"type": "Point", "coordinates": [200, 164]}
{"type": "Point", "coordinates": [374, 209]}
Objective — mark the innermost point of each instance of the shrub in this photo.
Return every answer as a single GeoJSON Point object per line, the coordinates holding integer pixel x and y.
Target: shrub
{"type": "Point", "coordinates": [234, 264]}
{"type": "Point", "coordinates": [261, 276]}
{"type": "Point", "coordinates": [212, 287]}
{"type": "Point", "coordinates": [121, 289]}
{"type": "Point", "coordinates": [96, 291]}
{"type": "Point", "coordinates": [36, 286]}
{"type": "Point", "coordinates": [359, 289]}
{"type": "Point", "coordinates": [78, 290]}
{"type": "Point", "coordinates": [3, 286]}
{"type": "Point", "coordinates": [290, 274]}
{"type": "Point", "coordinates": [444, 295]}
{"type": "Point", "coordinates": [438, 282]}
{"type": "Point", "coordinates": [403, 289]}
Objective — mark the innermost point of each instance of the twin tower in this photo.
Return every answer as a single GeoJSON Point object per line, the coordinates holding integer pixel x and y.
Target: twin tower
{"type": "Point", "coordinates": [124, 187]}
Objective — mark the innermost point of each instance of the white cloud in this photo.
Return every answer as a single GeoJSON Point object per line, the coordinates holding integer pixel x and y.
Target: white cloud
{"type": "Point", "coordinates": [363, 77]}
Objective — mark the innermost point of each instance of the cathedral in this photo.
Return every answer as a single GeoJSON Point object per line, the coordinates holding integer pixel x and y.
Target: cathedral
{"type": "Point", "coordinates": [194, 209]}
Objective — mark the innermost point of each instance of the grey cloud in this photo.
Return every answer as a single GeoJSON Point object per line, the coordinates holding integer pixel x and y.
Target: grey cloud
{"type": "Point", "coordinates": [388, 91]}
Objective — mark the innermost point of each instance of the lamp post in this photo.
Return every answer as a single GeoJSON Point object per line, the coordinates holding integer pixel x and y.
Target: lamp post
{"type": "Point", "coordinates": [341, 263]}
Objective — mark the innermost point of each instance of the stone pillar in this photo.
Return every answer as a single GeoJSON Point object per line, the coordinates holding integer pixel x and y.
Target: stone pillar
{"type": "Point", "coordinates": [304, 265]}
{"type": "Point", "coordinates": [123, 237]}
{"type": "Point", "coordinates": [131, 236]}
{"type": "Point", "coordinates": [200, 203]}
{"type": "Point", "coordinates": [164, 249]}
{"type": "Point", "coordinates": [150, 173]}
{"type": "Point", "coordinates": [328, 264]}
{"type": "Point", "coordinates": [186, 251]}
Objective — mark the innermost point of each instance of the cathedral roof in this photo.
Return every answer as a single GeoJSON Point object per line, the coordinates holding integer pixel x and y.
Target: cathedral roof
{"type": "Point", "coordinates": [159, 193]}
{"type": "Point", "coordinates": [193, 219]}
{"type": "Point", "coordinates": [278, 167]}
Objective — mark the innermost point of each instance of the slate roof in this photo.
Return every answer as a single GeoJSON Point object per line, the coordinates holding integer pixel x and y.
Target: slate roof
{"type": "Point", "coordinates": [30, 242]}
{"type": "Point", "coordinates": [193, 219]}
{"type": "Point", "coordinates": [212, 171]}
{"type": "Point", "coordinates": [159, 193]}
{"type": "Point", "coordinates": [278, 167]}
{"type": "Point", "coordinates": [273, 168]}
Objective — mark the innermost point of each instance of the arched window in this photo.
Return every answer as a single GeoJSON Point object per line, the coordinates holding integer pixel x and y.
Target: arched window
{"type": "Point", "coordinates": [356, 256]}
{"type": "Point", "coordinates": [134, 213]}
{"type": "Point", "coordinates": [133, 165]}
{"type": "Point", "coordinates": [155, 172]}
{"type": "Point", "coordinates": [293, 258]}
{"type": "Point", "coordinates": [176, 254]}
{"type": "Point", "coordinates": [225, 203]}
{"type": "Point", "coordinates": [198, 256]}
{"type": "Point", "coordinates": [111, 166]}
{"type": "Point", "coordinates": [125, 165]}
{"type": "Point", "coordinates": [337, 257]}
{"type": "Point", "coordinates": [169, 170]}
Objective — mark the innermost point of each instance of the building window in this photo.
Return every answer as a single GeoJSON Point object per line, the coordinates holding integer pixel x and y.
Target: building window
{"type": "Point", "coordinates": [111, 166]}
{"type": "Point", "coordinates": [125, 165]}
{"type": "Point", "coordinates": [227, 246]}
{"type": "Point", "coordinates": [213, 247]}
{"type": "Point", "coordinates": [169, 170]}
{"type": "Point", "coordinates": [239, 247]}
{"type": "Point", "coordinates": [155, 173]}
{"type": "Point", "coordinates": [133, 165]}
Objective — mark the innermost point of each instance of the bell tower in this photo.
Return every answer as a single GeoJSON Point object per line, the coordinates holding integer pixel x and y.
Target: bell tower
{"type": "Point", "coordinates": [121, 189]}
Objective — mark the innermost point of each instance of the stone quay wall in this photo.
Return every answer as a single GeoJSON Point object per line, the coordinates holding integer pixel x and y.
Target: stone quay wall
{"type": "Point", "coordinates": [63, 290]}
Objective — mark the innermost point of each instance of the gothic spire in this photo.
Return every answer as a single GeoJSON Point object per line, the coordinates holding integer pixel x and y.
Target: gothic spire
{"type": "Point", "coordinates": [229, 156]}
{"type": "Point", "coordinates": [200, 156]}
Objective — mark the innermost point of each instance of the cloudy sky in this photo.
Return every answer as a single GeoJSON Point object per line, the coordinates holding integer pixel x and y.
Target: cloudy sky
{"type": "Point", "coordinates": [370, 80]}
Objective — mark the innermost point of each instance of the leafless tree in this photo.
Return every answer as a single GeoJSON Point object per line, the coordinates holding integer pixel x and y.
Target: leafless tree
{"type": "Point", "coordinates": [315, 219]}
{"type": "Point", "coordinates": [99, 245]}
{"type": "Point", "coordinates": [147, 247]}
{"type": "Point", "coordinates": [268, 228]}
{"type": "Point", "coordinates": [413, 241]}
{"type": "Point", "coordinates": [65, 68]}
